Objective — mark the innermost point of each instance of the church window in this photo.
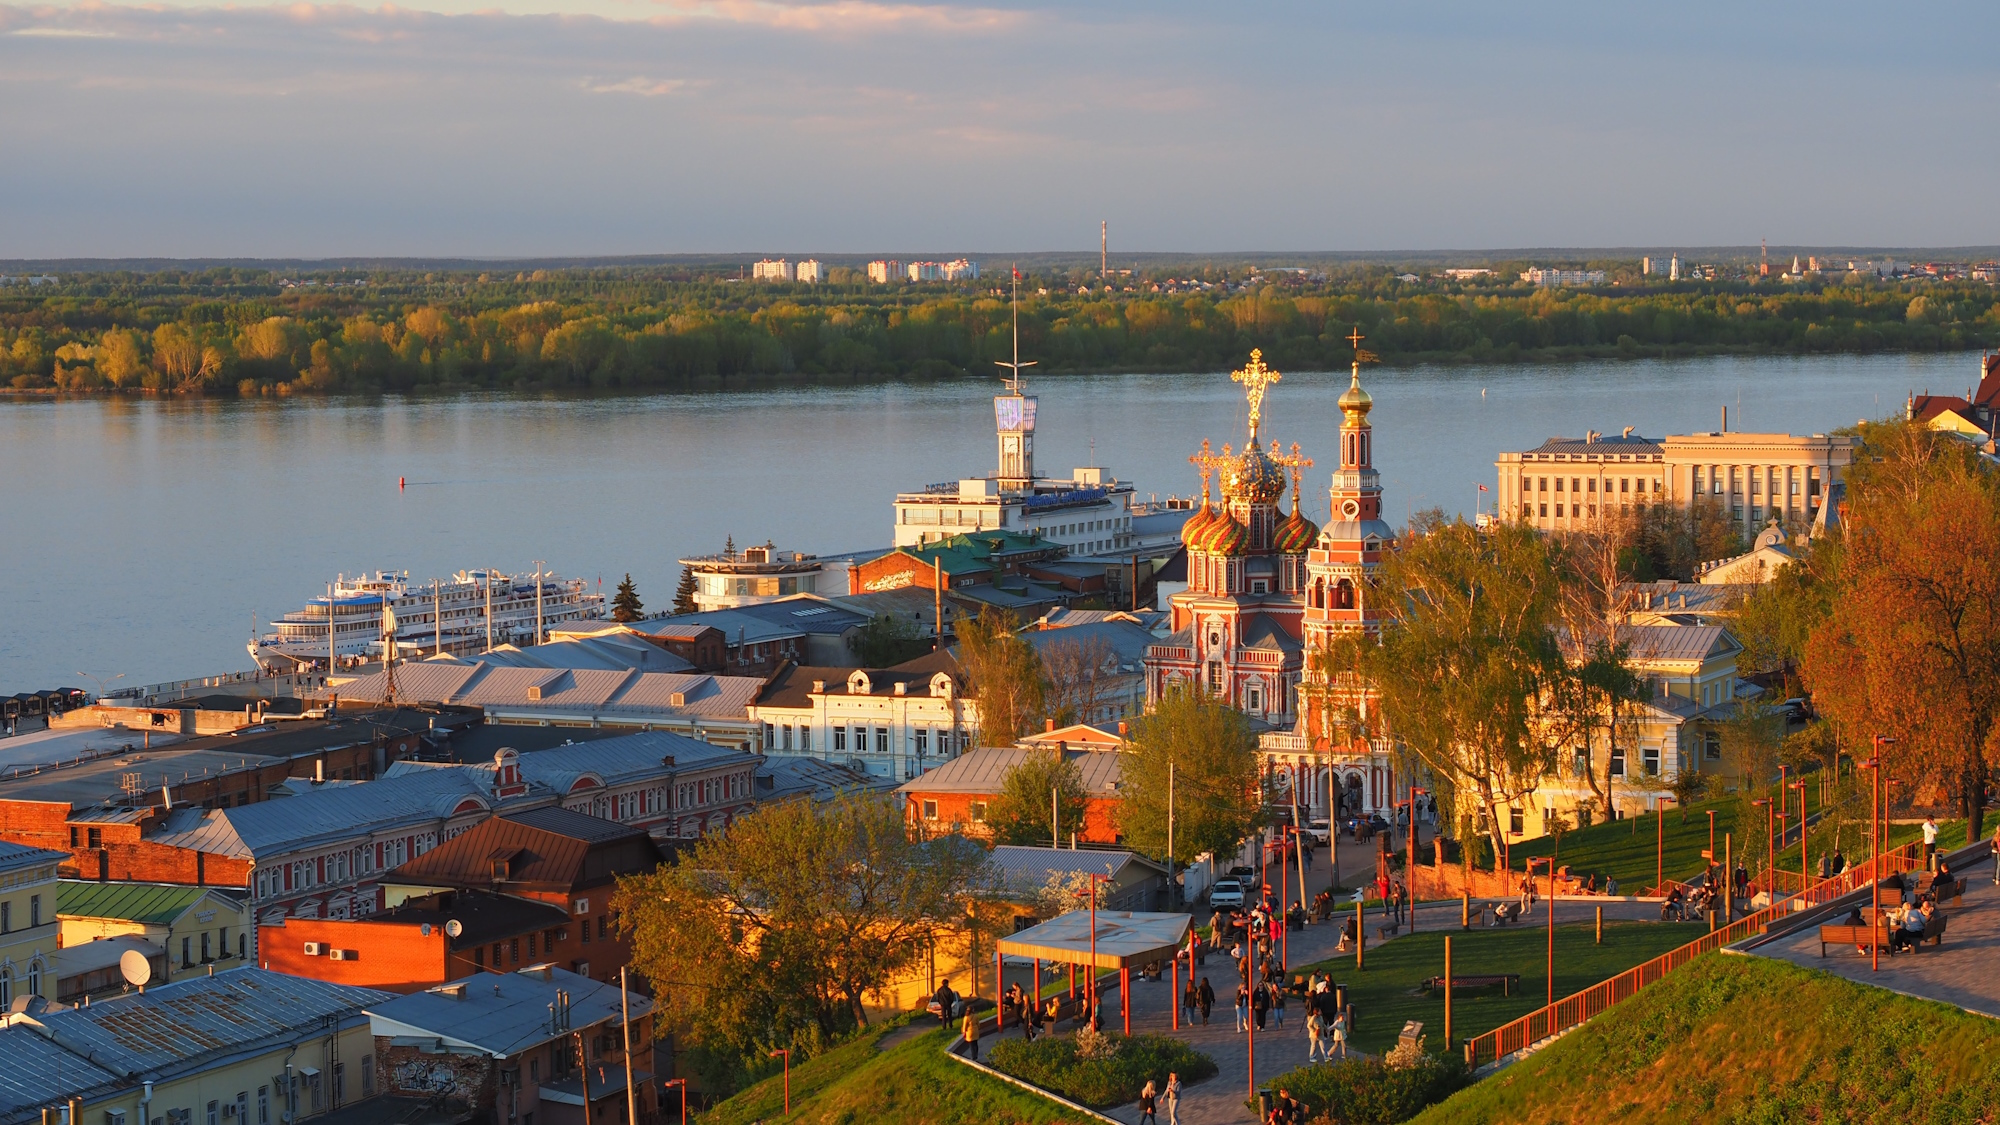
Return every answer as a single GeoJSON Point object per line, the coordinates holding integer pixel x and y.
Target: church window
{"type": "Point", "coordinates": [1259, 586]}
{"type": "Point", "coordinates": [1215, 677]}
{"type": "Point", "coordinates": [1254, 698]}
{"type": "Point", "coordinates": [1343, 595]}
{"type": "Point", "coordinates": [1319, 593]}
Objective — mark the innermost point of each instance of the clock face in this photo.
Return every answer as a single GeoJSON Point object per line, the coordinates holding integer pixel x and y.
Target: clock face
{"type": "Point", "coordinates": [1351, 509]}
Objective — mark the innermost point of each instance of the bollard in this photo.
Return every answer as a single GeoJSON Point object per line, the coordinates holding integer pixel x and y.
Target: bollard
{"type": "Point", "coordinates": [1465, 910]}
{"type": "Point", "coordinates": [1360, 941]}
{"type": "Point", "coordinates": [1447, 992]}
{"type": "Point", "coordinates": [1600, 925]}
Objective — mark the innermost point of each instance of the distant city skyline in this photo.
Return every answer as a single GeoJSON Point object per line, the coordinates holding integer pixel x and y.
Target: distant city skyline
{"type": "Point", "coordinates": [853, 127]}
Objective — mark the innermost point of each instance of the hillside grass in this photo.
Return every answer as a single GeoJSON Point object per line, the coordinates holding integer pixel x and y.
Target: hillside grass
{"type": "Point", "coordinates": [1387, 992]}
{"type": "Point", "coordinates": [911, 1083]}
{"type": "Point", "coordinates": [1747, 1039]}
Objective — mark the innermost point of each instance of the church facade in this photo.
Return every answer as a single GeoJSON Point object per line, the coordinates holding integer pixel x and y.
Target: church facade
{"type": "Point", "coordinates": [1267, 587]}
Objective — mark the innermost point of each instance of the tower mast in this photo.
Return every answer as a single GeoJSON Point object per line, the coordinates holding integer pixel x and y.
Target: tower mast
{"type": "Point", "coordinates": [1104, 249]}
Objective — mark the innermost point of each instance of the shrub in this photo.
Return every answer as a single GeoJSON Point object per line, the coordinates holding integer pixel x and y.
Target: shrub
{"type": "Point", "coordinates": [1114, 1077]}
{"type": "Point", "coordinates": [1369, 1092]}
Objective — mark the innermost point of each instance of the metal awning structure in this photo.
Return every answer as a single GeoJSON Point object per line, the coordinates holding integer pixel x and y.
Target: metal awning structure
{"type": "Point", "coordinates": [1125, 939]}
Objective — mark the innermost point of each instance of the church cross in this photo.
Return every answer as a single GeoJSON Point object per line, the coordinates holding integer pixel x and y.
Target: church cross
{"type": "Point", "coordinates": [1208, 463]}
{"type": "Point", "coordinates": [1256, 379]}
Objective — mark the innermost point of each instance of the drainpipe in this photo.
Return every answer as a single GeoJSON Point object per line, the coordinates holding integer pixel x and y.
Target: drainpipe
{"type": "Point", "coordinates": [146, 1104]}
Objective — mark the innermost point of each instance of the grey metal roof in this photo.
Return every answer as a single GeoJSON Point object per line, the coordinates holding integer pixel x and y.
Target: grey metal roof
{"type": "Point", "coordinates": [40, 1072]}
{"type": "Point", "coordinates": [611, 761]}
{"type": "Point", "coordinates": [500, 1014]}
{"type": "Point", "coordinates": [805, 611]}
{"type": "Point", "coordinates": [609, 653]}
{"type": "Point", "coordinates": [1677, 642]}
{"type": "Point", "coordinates": [985, 769]}
{"type": "Point", "coordinates": [340, 812]}
{"type": "Point", "coordinates": [809, 777]}
{"type": "Point", "coordinates": [1031, 866]}
{"type": "Point", "coordinates": [185, 1025]}
{"type": "Point", "coordinates": [1611, 444]}
{"type": "Point", "coordinates": [90, 956]}
{"type": "Point", "coordinates": [564, 690]}
{"type": "Point", "coordinates": [15, 857]}
{"type": "Point", "coordinates": [1126, 641]}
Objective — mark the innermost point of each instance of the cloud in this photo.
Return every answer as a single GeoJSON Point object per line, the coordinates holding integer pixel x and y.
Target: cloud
{"type": "Point", "coordinates": [850, 16]}
{"type": "Point", "coordinates": [644, 87]}
{"type": "Point", "coordinates": [63, 33]}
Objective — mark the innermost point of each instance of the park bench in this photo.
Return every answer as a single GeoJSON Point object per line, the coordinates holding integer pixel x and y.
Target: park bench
{"type": "Point", "coordinates": [1506, 913]}
{"type": "Point", "coordinates": [1860, 936]}
{"type": "Point", "coordinates": [1933, 931]}
{"type": "Point", "coordinates": [1508, 982]}
{"type": "Point", "coordinates": [1475, 915]}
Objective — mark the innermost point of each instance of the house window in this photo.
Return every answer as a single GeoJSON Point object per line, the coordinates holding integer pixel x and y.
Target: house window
{"type": "Point", "coordinates": [1545, 511]}
{"type": "Point", "coordinates": [922, 738]}
{"type": "Point", "coordinates": [881, 740]}
{"type": "Point", "coordinates": [978, 811]}
{"type": "Point", "coordinates": [1618, 761]}
{"type": "Point", "coordinates": [6, 917]}
{"type": "Point", "coordinates": [1254, 697]}
{"type": "Point", "coordinates": [930, 810]}
{"type": "Point", "coordinates": [263, 1105]}
{"type": "Point", "coordinates": [187, 945]}
{"type": "Point", "coordinates": [1711, 745]}
{"type": "Point", "coordinates": [339, 1083]}
{"type": "Point", "coordinates": [1580, 762]}
{"type": "Point", "coordinates": [788, 736]}
{"type": "Point", "coordinates": [214, 1113]}
{"type": "Point", "coordinates": [1650, 761]}
{"type": "Point", "coordinates": [514, 951]}
{"type": "Point", "coordinates": [1514, 815]}
{"type": "Point", "coordinates": [205, 956]}
{"type": "Point", "coordinates": [34, 910]}
{"type": "Point", "coordinates": [805, 739]}
{"type": "Point", "coordinates": [97, 837]}
{"type": "Point", "coordinates": [860, 740]}
{"type": "Point", "coordinates": [368, 1076]}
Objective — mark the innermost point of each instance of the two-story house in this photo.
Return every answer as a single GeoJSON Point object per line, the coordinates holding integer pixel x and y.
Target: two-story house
{"type": "Point", "coordinates": [28, 929]}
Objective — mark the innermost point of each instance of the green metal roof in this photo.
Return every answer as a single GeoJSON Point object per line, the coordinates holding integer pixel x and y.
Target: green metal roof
{"type": "Point", "coordinates": [151, 903]}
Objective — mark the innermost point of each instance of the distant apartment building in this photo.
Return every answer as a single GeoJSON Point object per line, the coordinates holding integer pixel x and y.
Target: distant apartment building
{"type": "Point", "coordinates": [772, 269]}
{"type": "Point", "coordinates": [1467, 274]}
{"type": "Point", "coordinates": [924, 271]}
{"type": "Point", "coordinates": [810, 271]}
{"type": "Point", "coordinates": [1574, 483]}
{"type": "Point", "coordinates": [884, 272]}
{"type": "Point", "coordinates": [960, 270]}
{"type": "Point", "coordinates": [1555, 277]}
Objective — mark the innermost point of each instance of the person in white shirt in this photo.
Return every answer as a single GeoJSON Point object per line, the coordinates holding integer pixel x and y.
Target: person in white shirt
{"type": "Point", "coordinates": [1930, 839]}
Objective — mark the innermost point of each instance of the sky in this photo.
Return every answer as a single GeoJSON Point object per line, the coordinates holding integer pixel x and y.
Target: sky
{"type": "Point", "coordinates": [598, 127]}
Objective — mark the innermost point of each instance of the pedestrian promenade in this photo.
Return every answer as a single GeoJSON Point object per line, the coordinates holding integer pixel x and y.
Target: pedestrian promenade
{"type": "Point", "coordinates": [1959, 972]}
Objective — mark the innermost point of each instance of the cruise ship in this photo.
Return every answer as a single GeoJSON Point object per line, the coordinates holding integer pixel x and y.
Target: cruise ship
{"type": "Point", "coordinates": [473, 611]}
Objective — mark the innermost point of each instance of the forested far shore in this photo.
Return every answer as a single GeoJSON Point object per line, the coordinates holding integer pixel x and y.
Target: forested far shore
{"type": "Point", "coordinates": [248, 332]}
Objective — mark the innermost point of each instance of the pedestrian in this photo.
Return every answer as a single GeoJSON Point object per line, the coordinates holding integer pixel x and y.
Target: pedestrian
{"type": "Point", "coordinates": [1148, 1099]}
{"type": "Point", "coordinates": [1339, 1034]}
{"type": "Point", "coordinates": [1260, 1004]}
{"type": "Point", "coordinates": [1033, 1028]}
{"type": "Point", "coordinates": [1930, 839]}
{"type": "Point", "coordinates": [1242, 1007]}
{"type": "Point", "coordinates": [1277, 1003]}
{"type": "Point", "coordinates": [1172, 1096]}
{"type": "Point", "coordinates": [1315, 1037]}
{"type": "Point", "coordinates": [946, 1000]}
{"type": "Point", "coordinates": [1206, 997]}
{"type": "Point", "coordinates": [969, 1032]}
{"type": "Point", "coordinates": [1996, 857]}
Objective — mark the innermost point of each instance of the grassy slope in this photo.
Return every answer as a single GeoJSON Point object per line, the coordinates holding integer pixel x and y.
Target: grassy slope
{"type": "Point", "coordinates": [1626, 850]}
{"type": "Point", "coordinates": [1386, 994]}
{"type": "Point", "coordinates": [912, 1083]}
{"type": "Point", "coordinates": [1745, 1039]}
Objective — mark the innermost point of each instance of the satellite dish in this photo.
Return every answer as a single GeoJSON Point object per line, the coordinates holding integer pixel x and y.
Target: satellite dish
{"type": "Point", "coordinates": [453, 928]}
{"type": "Point", "coordinates": [137, 967]}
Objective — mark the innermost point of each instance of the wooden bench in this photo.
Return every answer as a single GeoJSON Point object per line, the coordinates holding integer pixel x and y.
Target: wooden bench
{"type": "Point", "coordinates": [1861, 936]}
{"type": "Point", "coordinates": [1507, 982]}
{"type": "Point", "coordinates": [1475, 915]}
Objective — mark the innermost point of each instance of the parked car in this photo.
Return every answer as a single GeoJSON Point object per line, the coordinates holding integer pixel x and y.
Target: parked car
{"type": "Point", "coordinates": [1320, 830]}
{"type": "Point", "coordinates": [1245, 875]}
{"type": "Point", "coordinates": [1227, 892]}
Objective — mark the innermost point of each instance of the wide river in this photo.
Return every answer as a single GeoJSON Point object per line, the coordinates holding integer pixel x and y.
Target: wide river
{"type": "Point", "coordinates": [148, 538]}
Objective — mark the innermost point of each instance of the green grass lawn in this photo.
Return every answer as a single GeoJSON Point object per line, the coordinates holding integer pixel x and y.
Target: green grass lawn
{"type": "Point", "coordinates": [1746, 1039]}
{"type": "Point", "coordinates": [1387, 993]}
{"type": "Point", "coordinates": [1625, 849]}
{"type": "Point", "coordinates": [854, 1084]}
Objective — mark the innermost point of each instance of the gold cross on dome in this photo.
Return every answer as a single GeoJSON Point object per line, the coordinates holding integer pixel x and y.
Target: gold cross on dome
{"type": "Point", "coordinates": [1256, 379]}
{"type": "Point", "coordinates": [1208, 463]}
{"type": "Point", "coordinates": [1355, 337]}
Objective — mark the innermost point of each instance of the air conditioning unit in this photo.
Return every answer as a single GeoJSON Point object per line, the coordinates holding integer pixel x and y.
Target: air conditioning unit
{"type": "Point", "coordinates": [228, 1109]}
{"type": "Point", "coordinates": [342, 954]}
{"type": "Point", "coordinates": [114, 1117]}
{"type": "Point", "coordinates": [315, 948]}
{"type": "Point", "coordinates": [583, 906]}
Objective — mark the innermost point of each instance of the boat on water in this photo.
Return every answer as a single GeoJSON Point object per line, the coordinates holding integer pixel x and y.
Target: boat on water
{"type": "Point", "coordinates": [472, 611]}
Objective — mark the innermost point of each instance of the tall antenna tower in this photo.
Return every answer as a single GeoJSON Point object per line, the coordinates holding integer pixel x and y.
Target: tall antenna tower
{"type": "Point", "coordinates": [1104, 249]}
{"type": "Point", "coordinates": [1014, 368]}
{"type": "Point", "coordinates": [1763, 258]}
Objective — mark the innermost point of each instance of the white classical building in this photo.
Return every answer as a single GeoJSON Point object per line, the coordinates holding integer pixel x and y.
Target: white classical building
{"type": "Point", "coordinates": [890, 723]}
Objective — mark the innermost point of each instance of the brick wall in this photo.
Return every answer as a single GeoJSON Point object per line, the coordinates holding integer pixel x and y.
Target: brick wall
{"type": "Point", "coordinates": [1100, 824]}
{"type": "Point", "coordinates": [467, 1079]}
{"type": "Point", "coordinates": [392, 956]}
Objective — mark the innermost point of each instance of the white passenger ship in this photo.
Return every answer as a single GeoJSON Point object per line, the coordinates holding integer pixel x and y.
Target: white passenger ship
{"type": "Point", "coordinates": [467, 614]}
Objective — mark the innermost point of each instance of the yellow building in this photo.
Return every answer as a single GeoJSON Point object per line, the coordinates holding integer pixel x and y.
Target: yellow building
{"type": "Point", "coordinates": [28, 933]}
{"type": "Point", "coordinates": [246, 1047]}
{"type": "Point", "coordinates": [196, 927]}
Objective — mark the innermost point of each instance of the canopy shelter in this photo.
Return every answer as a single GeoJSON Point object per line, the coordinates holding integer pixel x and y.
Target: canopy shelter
{"type": "Point", "coordinates": [1102, 939]}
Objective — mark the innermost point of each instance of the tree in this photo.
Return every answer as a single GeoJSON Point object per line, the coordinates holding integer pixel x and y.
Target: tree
{"type": "Point", "coordinates": [120, 359]}
{"type": "Point", "coordinates": [684, 593]}
{"type": "Point", "coordinates": [1674, 540]}
{"type": "Point", "coordinates": [1911, 647]}
{"type": "Point", "coordinates": [1020, 813]}
{"type": "Point", "coordinates": [1005, 675]}
{"type": "Point", "coordinates": [1467, 675]}
{"type": "Point", "coordinates": [625, 604]}
{"type": "Point", "coordinates": [1218, 799]}
{"type": "Point", "coordinates": [888, 640]}
{"type": "Point", "coordinates": [772, 933]}
{"type": "Point", "coordinates": [1080, 673]}
{"type": "Point", "coordinates": [1778, 618]}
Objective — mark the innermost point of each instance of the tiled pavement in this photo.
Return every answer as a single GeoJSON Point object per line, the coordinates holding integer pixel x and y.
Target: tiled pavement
{"type": "Point", "coordinates": [1959, 973]}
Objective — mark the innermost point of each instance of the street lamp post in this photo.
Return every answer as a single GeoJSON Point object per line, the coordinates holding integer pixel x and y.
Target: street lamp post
{"type": "Point", "coordinates": [103, 685]}
{"type": "Point", "coordinates": [1770, 849]}
{"type": "Point", "coordinates": [1805, 868]}
{"type": "Point", "coordinates": [1875, 851]}
{"type": "Point", "coordinates": [1550, 862]}
{"type": "Point", "coordinates": [683, 1084]}
{"type": "Point", "coordinates": [1410, 865]}
{"type": "Point", "coordinates": [787, 1053]}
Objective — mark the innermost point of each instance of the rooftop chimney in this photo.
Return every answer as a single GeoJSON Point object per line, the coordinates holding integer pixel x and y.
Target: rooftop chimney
{"type": "Point", "coordinates": [1628, 431]}
{"type": "Point", "coordinates": [1048, 724]}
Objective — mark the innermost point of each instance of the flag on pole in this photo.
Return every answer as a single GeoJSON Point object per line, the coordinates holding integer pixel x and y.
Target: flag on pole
{"type": "Point", "coordinates": [1482, 488]}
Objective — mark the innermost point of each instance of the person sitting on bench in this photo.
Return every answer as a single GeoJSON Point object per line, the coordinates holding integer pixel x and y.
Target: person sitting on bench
{"type": "Point", "coordinates": [1911, 932]}
{"type": "Point", "coordinates": [1941, 882]}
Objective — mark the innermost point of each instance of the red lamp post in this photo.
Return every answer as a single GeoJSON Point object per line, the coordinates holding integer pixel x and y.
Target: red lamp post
{"type": "Point", "coordinates": [1875, 850]}
{"type": "Point", "coordinates": [1805, 869]}
{"type": "Point", "coordinates": [787, 1053]}
{"type": "Point", "coordinates": [683, 1084]}
{"type": "Point", "coordinates": [1770, 849]}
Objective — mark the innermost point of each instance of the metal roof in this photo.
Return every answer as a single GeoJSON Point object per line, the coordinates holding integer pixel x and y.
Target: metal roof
{"type": "Point", "coordinates": [545, 849]}
{"type": "Point", "coordinates": [561, 689]}
{"type": "Point", "coordinates": [605, 761]}
{"type": "Point", "coordinates": [340, 812]}
{"type": "Point", "coordinates": [1612, 444]}
{"type": "Point", "coordinates": [501, 1014]}
{"type": "Point", "coordinates": [155, 904]}
{"type": "Point", "coordinates": [42, 1073]}
{"type": "Point", "coordinates": [1696, 643]}
{"type": "Point", "coordinates": [613, 652]}
{"type": "Point", "coordinates": [811, 777]}
{"type": "Point", "coordinates": [15, 857]}
{"type": "Point", "coordinates": [188, 1024]}
{"type": "Point", "coordinates": [1121, 938]}
{"type": "Point", "coordinates": [1031, 867]}
{"type": "Point", "coordinates": [984, 771]}
{"type": "Point", "coordinates": [90, 956]}
{"type": "Point", "coordinates": [1126, 640]}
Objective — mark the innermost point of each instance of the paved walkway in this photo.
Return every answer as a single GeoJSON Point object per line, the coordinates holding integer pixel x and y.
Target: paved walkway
{"type": "Point", "coordinates": [1959, 973]}
{"type": "Point", "coordinates": [1220, 1100]}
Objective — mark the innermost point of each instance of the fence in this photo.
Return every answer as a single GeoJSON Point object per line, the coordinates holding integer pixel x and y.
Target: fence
{"type": "Point", "coordinates": [1573, 1010]}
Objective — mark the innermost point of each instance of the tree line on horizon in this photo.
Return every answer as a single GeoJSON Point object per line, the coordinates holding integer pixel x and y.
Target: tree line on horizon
{"type": "Point", "coordinates": [237, 331]}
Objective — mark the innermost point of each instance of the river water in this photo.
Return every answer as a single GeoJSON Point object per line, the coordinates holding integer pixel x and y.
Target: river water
{"type": "Point", "coordinates": [149, 537]}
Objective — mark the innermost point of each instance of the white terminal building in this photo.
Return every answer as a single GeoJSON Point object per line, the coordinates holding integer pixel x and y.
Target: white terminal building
{"type": "Point", "coordinates": [754, 575]}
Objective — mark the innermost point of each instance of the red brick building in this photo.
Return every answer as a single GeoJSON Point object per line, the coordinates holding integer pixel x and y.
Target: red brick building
{"type": "Point", "coordinates": [955, 796]}
{"type": "Point", "coordinates": [410, 946]}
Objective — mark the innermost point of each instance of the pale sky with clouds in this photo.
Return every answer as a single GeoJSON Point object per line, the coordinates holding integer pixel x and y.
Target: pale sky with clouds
{"type": "Point", "coordinates": [527, 127]}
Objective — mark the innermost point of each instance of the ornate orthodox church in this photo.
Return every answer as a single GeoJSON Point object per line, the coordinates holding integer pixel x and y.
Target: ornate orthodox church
{"type": "Point", "coordinates": [1266, 587]}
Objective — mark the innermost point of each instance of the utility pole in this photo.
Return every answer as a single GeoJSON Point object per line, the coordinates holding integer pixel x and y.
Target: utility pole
{"type": "Point", "coordinates": [1171, 896]}
{"type": "Point", "coordinates": [538, 601]}
{"type": "Point", "coordinates": [1104, 250]}
{"type": "Point", "coordinates": [631, 1092]}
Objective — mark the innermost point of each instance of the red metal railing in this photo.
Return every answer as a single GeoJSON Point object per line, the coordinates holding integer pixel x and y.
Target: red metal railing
{"type": "Point", "coordinates": [1578, 1007]}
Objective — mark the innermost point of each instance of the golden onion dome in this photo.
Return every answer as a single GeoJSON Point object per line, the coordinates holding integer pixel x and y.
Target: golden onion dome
{"type": "Point", "coordinates": [1354, 400]}
{"type": "Point", "coordinates": [1252, 476]}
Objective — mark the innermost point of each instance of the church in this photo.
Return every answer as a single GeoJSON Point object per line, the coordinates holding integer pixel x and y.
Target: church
{"type": "Point", "coordinates": [1267, 587]}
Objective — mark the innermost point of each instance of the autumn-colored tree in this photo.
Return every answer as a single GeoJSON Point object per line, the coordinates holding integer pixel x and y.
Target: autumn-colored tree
{"type": "Point", "coordinates": [1210, 752]}
{"type": "Point", "coordinates": [1911, 646]}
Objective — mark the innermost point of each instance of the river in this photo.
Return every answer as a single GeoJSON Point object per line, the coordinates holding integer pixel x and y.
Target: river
{"type": "Point", "coordinates": [149, 537]}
